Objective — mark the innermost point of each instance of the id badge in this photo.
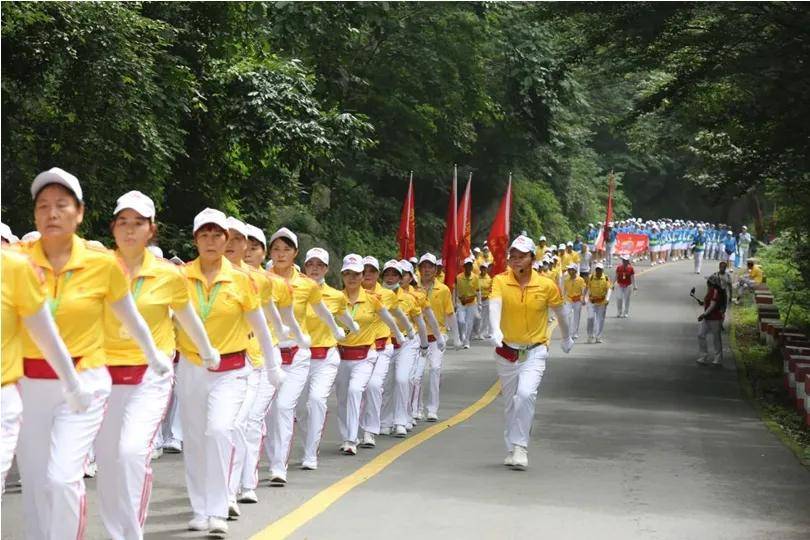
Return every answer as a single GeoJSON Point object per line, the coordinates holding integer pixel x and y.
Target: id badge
{"type": "Point", "coordinates": [522, 355]}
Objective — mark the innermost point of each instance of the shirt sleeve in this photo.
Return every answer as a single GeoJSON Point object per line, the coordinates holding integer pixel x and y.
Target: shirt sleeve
{"type": "Point", "coordinates": [250, 297]}
{"type": "Point", "coordinates": [553, 296]}
{"type": "Point", "coordinates": [496, 293]}
{"type": "Point", "coordinates": [119, 284]}
{"type": "Point", "coordinates": [29, 289]}
{"type": "Point", "coordinates": [448, 302]}
{"type": "Point", "coordinates": [281, 293]}
{"type": "Point", "coordinates": [179, 291]}
{"type": "Point", "coordinates": [315, 294]}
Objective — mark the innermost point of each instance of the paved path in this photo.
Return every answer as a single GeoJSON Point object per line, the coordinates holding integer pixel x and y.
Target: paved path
{"type": "Point", "coordinates": [632, 440]}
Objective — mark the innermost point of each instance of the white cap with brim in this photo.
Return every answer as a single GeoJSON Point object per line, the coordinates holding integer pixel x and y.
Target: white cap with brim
{"type": "Point", "coordinates": [573, 266]}
{"type": "Point", "coordinates": [469, 260]}
{"type": "Point", "coordinates": [542, 239]}
{"type": "Point", "coordinates": [406, 266]}
{"type": "Point", "coordinates": [56, 176]}
{"type": "Point", "coordinates": [561, 247]}
{"type": "Point", "coordinates": [155, 250]}
{"type": "Point", "coordinates": [569, 244]}
{"type": "Point", "coordinates": [284, 232]}
{"type": "Point", "coordinates": [413, 260]}
{"type": "Point", "coordinates": [256, 233]}
{"type": "Point", "coordinates": [352, 263]}
{"type": "Point", "coordinates": [393, 263]}
{"type": "Point", "coordinates": [429, 258]}
{"type": "Point", "coordinates": [5, 233]}
{"type": "Point", "coordinates": [599, 266]}
{"type": "Point", "coordinates": [371, 261]}
{"type": "Point", "coordinates": [440, 262]}
{"type": "Point", "coordinates": [31, 236]}
{"type": "Point", "coordinates": [625, 256]}
{"type": "Point", "coordinates": [212, 217]}
{"type": "Point", "coordinates": [137, 201]}
{"type": "Point", "coordinates": [536, 265]}
{"type": "Point", "coordinates": [236, 225]}
{"type": "Point", "coordinates": [319, 254]}
{"type": "Point", "coordinates": [477, 250]}
{"type": "Point", "coordinates": [523, 244]}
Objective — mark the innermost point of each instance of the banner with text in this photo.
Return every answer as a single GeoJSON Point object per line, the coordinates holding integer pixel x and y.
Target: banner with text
{"type": "Point", "coordinates": [632, 244]}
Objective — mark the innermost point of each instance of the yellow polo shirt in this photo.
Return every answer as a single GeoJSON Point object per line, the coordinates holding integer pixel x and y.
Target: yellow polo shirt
{"type": "Point", "coordinates": [598, 289]}
{"type": "Point", "coordinates": [441, 303]}
{"type": "Point", "coordinates": [23, 295]}
{"type": "Point", "coordinates": [265, 288]}
{"type": "Point", "coordinates": [389, 301]}
{"type": "Point", "coordinates": [91, 278]}
{"type": "Point", "coordinates": [756, 273]}
{"type": "Point", "coordinates": [335, 302]}
{"type": "Point", "coordinates": [467, 288]}
{"type": "Point", "coordinates": [569, 258]}
{"type": "Point", "coordinates": [158, 288]}
{"type": "Point", "coordinates": [304, 292]}
{"type": "Point", "coordinates": [485, 286]}
{"type": "Point", "coordinates": [365, 312]}
{"type": "Point", "coordinates": [409, 305]}
{"type": "Point", "coordinates": [232, 294]}
{"type": "Point", "coordinates": [524, 316]}
{"type": "Point", "coordinates": [574, 288]}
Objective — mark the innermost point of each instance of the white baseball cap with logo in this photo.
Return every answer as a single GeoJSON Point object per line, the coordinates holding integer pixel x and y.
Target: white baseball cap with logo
{"type": "Point", "coordinates": [406, 266]}
{"type": "Point", "coordinates": [469, 260]}
{"type": "Point", "coordinates": [256, 233]}
{"type": "Point", "coordinates": [523, 244]}
{"type": "Point", "coordinates": [352, 263]}
{"type": "Point", "coordinates": [371, 261]}
{"type": "Point", "coordinates": [599, 266]}
{"type": "Point", "coordinates": [318, 254]}
{"type": "Point", "coordinates": [561, 247]}
{"type": "Point", "coordinates": [440, 262]}
{"type": "Point", "coordinates": [284, 232]}
{"type": "Point", "coordinates": [210, 216]}
{"type": "Point", "coordinates": [156, 251]}
{"type": "Point", "coordinates": [573, 266]}
{"type": "Point", "coordinates": [393, 263]}
{"type": "Point", "coordinates": [31, 236]}
{"type": "Point", "coordinates": [236, 225]}
{"type": "Point", "coordinates": [135, 200]}
{"type": "Point", "coordinates": [56, 176]}
{"type": "Point", "coordinates": [430, 258]}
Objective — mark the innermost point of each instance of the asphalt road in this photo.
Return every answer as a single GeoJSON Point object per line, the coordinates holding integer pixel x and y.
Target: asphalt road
{"type": "Point", "coordinates": [631, 439]}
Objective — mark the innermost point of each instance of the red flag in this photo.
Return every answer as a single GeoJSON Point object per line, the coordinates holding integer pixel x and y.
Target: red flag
{"type": "Point", "coordinates": [498, 239]}
{"type": "Point", "coordinates": [464, 225]}
{"type": "Point", "coordinates": [600, 240]}
{"type": "Point", "coordinates": [406, 237]}
{"type": "Point", "coordinates": [450, 244]}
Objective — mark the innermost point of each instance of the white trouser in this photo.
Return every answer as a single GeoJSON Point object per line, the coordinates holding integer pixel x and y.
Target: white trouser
{"type": "Point", "coordinates": [596, 319]}
{"type": "Point", "coordinates": [698, 261]}
{"type": "Point", "coordinates": [623, 300]}
{"type": "Point", "coordinates": [397, 393]}
{"type": "Point", "coordinates": [11, 413]}
{"type": "Point", "coordinates": [434, 361]}
{"type": "Point", "coordinates": [124, 452]}
{"type": "Point", "coordinates": [350, 383]}
{"type": "Point", "coordinates": [256, 429]}
{"type": "Point", "coordinates": [281, 418]}
{"type": "Point", "coordinates": [312, 407]}
{"type": "Point", "coordinates": [466, 318]}
{"type": "Point", "coordinates": [373, 395]}
{"type": "Point", "coordinates": [484, 330]}
{"type": "Point", "coordinates": [211, 401]}
{"type": "Point", "coordinates": [743, 256]}
{"type": "Point", "coordinates": [171, 428]}
{"type": "Point", "coordinates": [53, 446]}
{"type": "Point", "coordinates": [240, 427]}
{"type": "Point", "coordinates": [520, 382]}
{"type": "Point", "coordinates": [417, 373]}
{"type": "Point", "coordinates": [574, 315]}
{"type": "Point", "coordinates": [714, 329]}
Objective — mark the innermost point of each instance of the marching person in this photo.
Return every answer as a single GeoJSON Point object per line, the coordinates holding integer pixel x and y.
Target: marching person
{"type": "Point", "coordinates": [325, 361]}
{"type": "Point", "coordinates": [441, 303]}
{"type": "Point", "coordinates": [83, 282]}
{"type": "Point", "coordinates": [698, 246]}
{"type": "Point", "coordinates": [744, 246]}
{"type": "Point", "coordinates": [485, 290]}
{"type": "Point", "coordinates": [227, 301]}
{"type": "Point", "coordinates": [585, 259]}
{"type": "Point", "coordinates": [140, 395]}
{"type": "Point", "coordinates": [519, 307]}
{"type": "Point", "coordinates": [625, 277]}
{"type": "Point", "coordinates": [711, 321]}
{"type": "Point", "coordinates": [295, 350]}
{"type": "Point", "coordinates": [575, 289]}
{"type": "Point", "coordinates": [610, 244]}
{"type": "Point", "coordinates": [357, 351]}
{"type": "Point", "coordinates": [467, 300]}
{"type": "Point", "coordinates": [729, 247]}
{"type": "Point", "coordinates": [598, 299]}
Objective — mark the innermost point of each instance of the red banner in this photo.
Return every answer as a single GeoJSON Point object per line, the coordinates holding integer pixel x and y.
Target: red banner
{"type": "Point", "coordinates": [498, 239]}
{"type": "Point", "coordinates": [464, 228]}
{"type": "Point", "coordinates": [450, 244]}
{"type": "Point", "coordinates": [406, 237]}
{"type": "Point", "coordinates": [632, 244]}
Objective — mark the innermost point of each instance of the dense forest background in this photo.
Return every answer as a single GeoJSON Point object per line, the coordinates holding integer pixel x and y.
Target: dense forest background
{"type": "Point", "coordinates": [311, 115]}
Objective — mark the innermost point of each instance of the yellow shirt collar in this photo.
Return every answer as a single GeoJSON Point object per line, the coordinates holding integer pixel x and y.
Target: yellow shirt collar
{"type": "Point", "coordinates": [225, 273]}
{"type": "Point", "coordinates": [148, 266]}
{"type": "Point", "coordinates": [511, 279]}
{"type": "Point", "coordinates": [76, 260]}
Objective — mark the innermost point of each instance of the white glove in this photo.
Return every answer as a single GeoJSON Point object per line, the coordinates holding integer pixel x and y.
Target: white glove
{"type": "Point", "coordinates": [410, 332]}
{"type": "Point", "coordinates": [78, 400]}
{"type": "Point", "coordinates": [340, 334]}
{"type": "Point", "coordinates": [567, 344]}
{"type": "Point", "coordinates": [161, 364]}
{"type": "Point", "coordinates": [285, 331]}
{"type": "Point", "coordinates": [497, 338]}
{"type": "Point", "coordinates": [211, 362]}
{"type": "Point", "coordinates": [441, 343]}
{"type": "Point", "coordinates": [276, 376]}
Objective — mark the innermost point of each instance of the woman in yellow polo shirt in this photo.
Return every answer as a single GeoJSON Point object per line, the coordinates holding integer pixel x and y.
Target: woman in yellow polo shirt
{"type": "Point", "coordinates": [139, 395]}
{"type": "Point", "coordinates": [24, 304]}
{"type": "Point", "coordinates": [574, 291]}
{"type": "Point", "coordinates": [295, 350]}
{"type": "Point", "coordinates": [227, 300]}
{"type": "Point", "coordinates": [82, 283]}
{"type": "Point", "coordinates": [598, 298]}
{"type": "Point", "coordinates": [519, 312]}
{"type": "Point", "coordinates": [357, 350]}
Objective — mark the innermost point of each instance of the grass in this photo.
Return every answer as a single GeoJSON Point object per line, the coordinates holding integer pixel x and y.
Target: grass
{"type": "Point", "coordinates": [760, 375]}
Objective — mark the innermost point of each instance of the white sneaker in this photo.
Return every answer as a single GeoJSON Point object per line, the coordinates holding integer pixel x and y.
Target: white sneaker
{"type": "Point", "coordinates": [278, 478]}
{"type": "Point", "coordinates": [432, 417]}
{"type": "Point", "coordinates": [400, 432]}
{"type": "Point", "coordinates": [509, 460]}
{"type": "Point", "coordinates": [385, 430]}
{"type": "Point", "coordinates": [575, 336]}
{"type": "Point", "coordinates": [368, 440]}
{"type": "Point", "coordinates": [233, 510]}
{"type": "Point", "coordinates": [248, 496]}
{"type": "Point", "coordinates": [520, 458]}
{"type": "Point", "coordinates": [466, 345]}
{"type": "Point", "coordinates": [418, 416]}
{"type": "Point", "coordinates": [701, 360]}
{"type": "Point", "coordinates": [599, 340]}
{"type": "Point", "coordinates": [348, 449]}
{"type": "Point", "coordinates": [217, 526]}
{"type": "Point", "coordinates": [157, 453]}
{"type": "Point", "coordinates": [409, 427]}
{"type": "Point", "coordinates": [173, 446]}
{"type": "Point", "coordinates": [198, 523]}
{"type": "Point", "coordinates": [90, 470]}
{"type": "Point", "coordinates": [309, 465]}
{"type": "Point", "coordinates": [717, 363]}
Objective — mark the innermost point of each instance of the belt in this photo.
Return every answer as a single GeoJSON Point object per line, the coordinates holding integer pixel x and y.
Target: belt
{"type": "Point", "coordinates": [576, 298]}
{"type": "Point", "coordinates": [512, 355]}
{"type": "Point", "coordinates": [353, 353]}
{"type": "Point", "coordinates": [319, 353]}
{"type": "Point", "coordinates": [39, 368]}
{"type": "Point", "coordinates": [379, 344]}
{"type": "Point", "coordinates": [127, 374]}
{"type": "Point", "coordinates": [431, 338]}
{"type": "Point", "coordinates": [596, 299]}
{"type": "Point", "coordinates": [287, 355]}
{"type": "Point", "coordinates": [467, 301]}
{"type": "Point", "coordinates": [230, 362]}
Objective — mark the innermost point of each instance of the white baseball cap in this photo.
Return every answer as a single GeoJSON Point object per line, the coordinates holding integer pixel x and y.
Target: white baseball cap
{"type": "Point", "coordinates": [440, 262]}
{"type": "Point", "coordinates": [352, 262]}
{"type": "Point", "coordinates": [155, 250]}
{"type": "Point", "coordinates": [477, 250]}
{"type": "Point", "coordinates": [317, 253]}
{"type": "Point", "coordinates": [371, 261]}
{"type": "Point", "coordinates": [745, 227]}
{"type": "Point", "coordinates": [284, 232]}
{"type": "Point", "coordinates": [95, 244]}
{"type": "Point", "coordinates": [413, 260]}
{"type": "Point", "coordinates": [237, 226]}
{"type": "Point", "coordinates": [212, 216]}
{"type": "Point", "coordinates": [730, 233]}
{"type": "Point", "coordinates": [406, 266]}
{"type": "Point", "coordinates": [625, 256]}
{"type": "Point", "coordinates": [393, 263]}
{"type": "Point", "coordinates": [5, 233]}
{"type": "Point", "coordinates": [572, 266]}
{"type": "Point", "coordinates": [483, 265]}
{"type": "Point", "coordinates": [523, 243]}
{"type": "Point", "coordinates": [561, 247]}
{"type": "Point", "coordinates": [469, 260]}
{"type": "Point", "coordinates": [569, 243]}
{"type": "Point", "coordinates": [599, 266]}
{"type": "Point", "coordinates": [56, 176]}
{"type": "Point", "coordinates": [256, 233]}
{"type": "Point", "coordinates": [31, 236]}
{"type": "Point", "coordinates": [536, 265]}
{"type": "Point", "coordinates": [135, 200]}
{"type": "Point", "coordinates": [428, 257]}
{"type": "Point", "coordinates": [542, 239]}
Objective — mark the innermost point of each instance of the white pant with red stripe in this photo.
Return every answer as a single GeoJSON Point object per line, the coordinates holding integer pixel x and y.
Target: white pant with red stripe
{"type": "Point", "coordinates": [281, 418]}
{"type": "Point", "coordinates": [520, 382]}
{"type": "Point", "coordinates": [397, 392]}
{"type": "Point", "coordinates": [11, 411]}
{"type": "Point", "coordinates": [434, 361]}
{"type": "Point", "coordinates": [53, 446]}
{"type": "Point", "coordinates": [124, 452]}
{"type": "Point", "coordinates": [466, 318]}
{"type": "Point", "coordinates": [211, 402]}
{"type": "Point", "coordinates": [240, 431]}
{"type": "Point", "coordinates": [256, 429]}
{"type": "Point", "coordinates": [373, 395]}
{"type": "Point", "coordinates": [171, 428]}
{"type": "Point", "coordinates": [350, 383]}
{"type": "Point", "coordinates": [312, 407]}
